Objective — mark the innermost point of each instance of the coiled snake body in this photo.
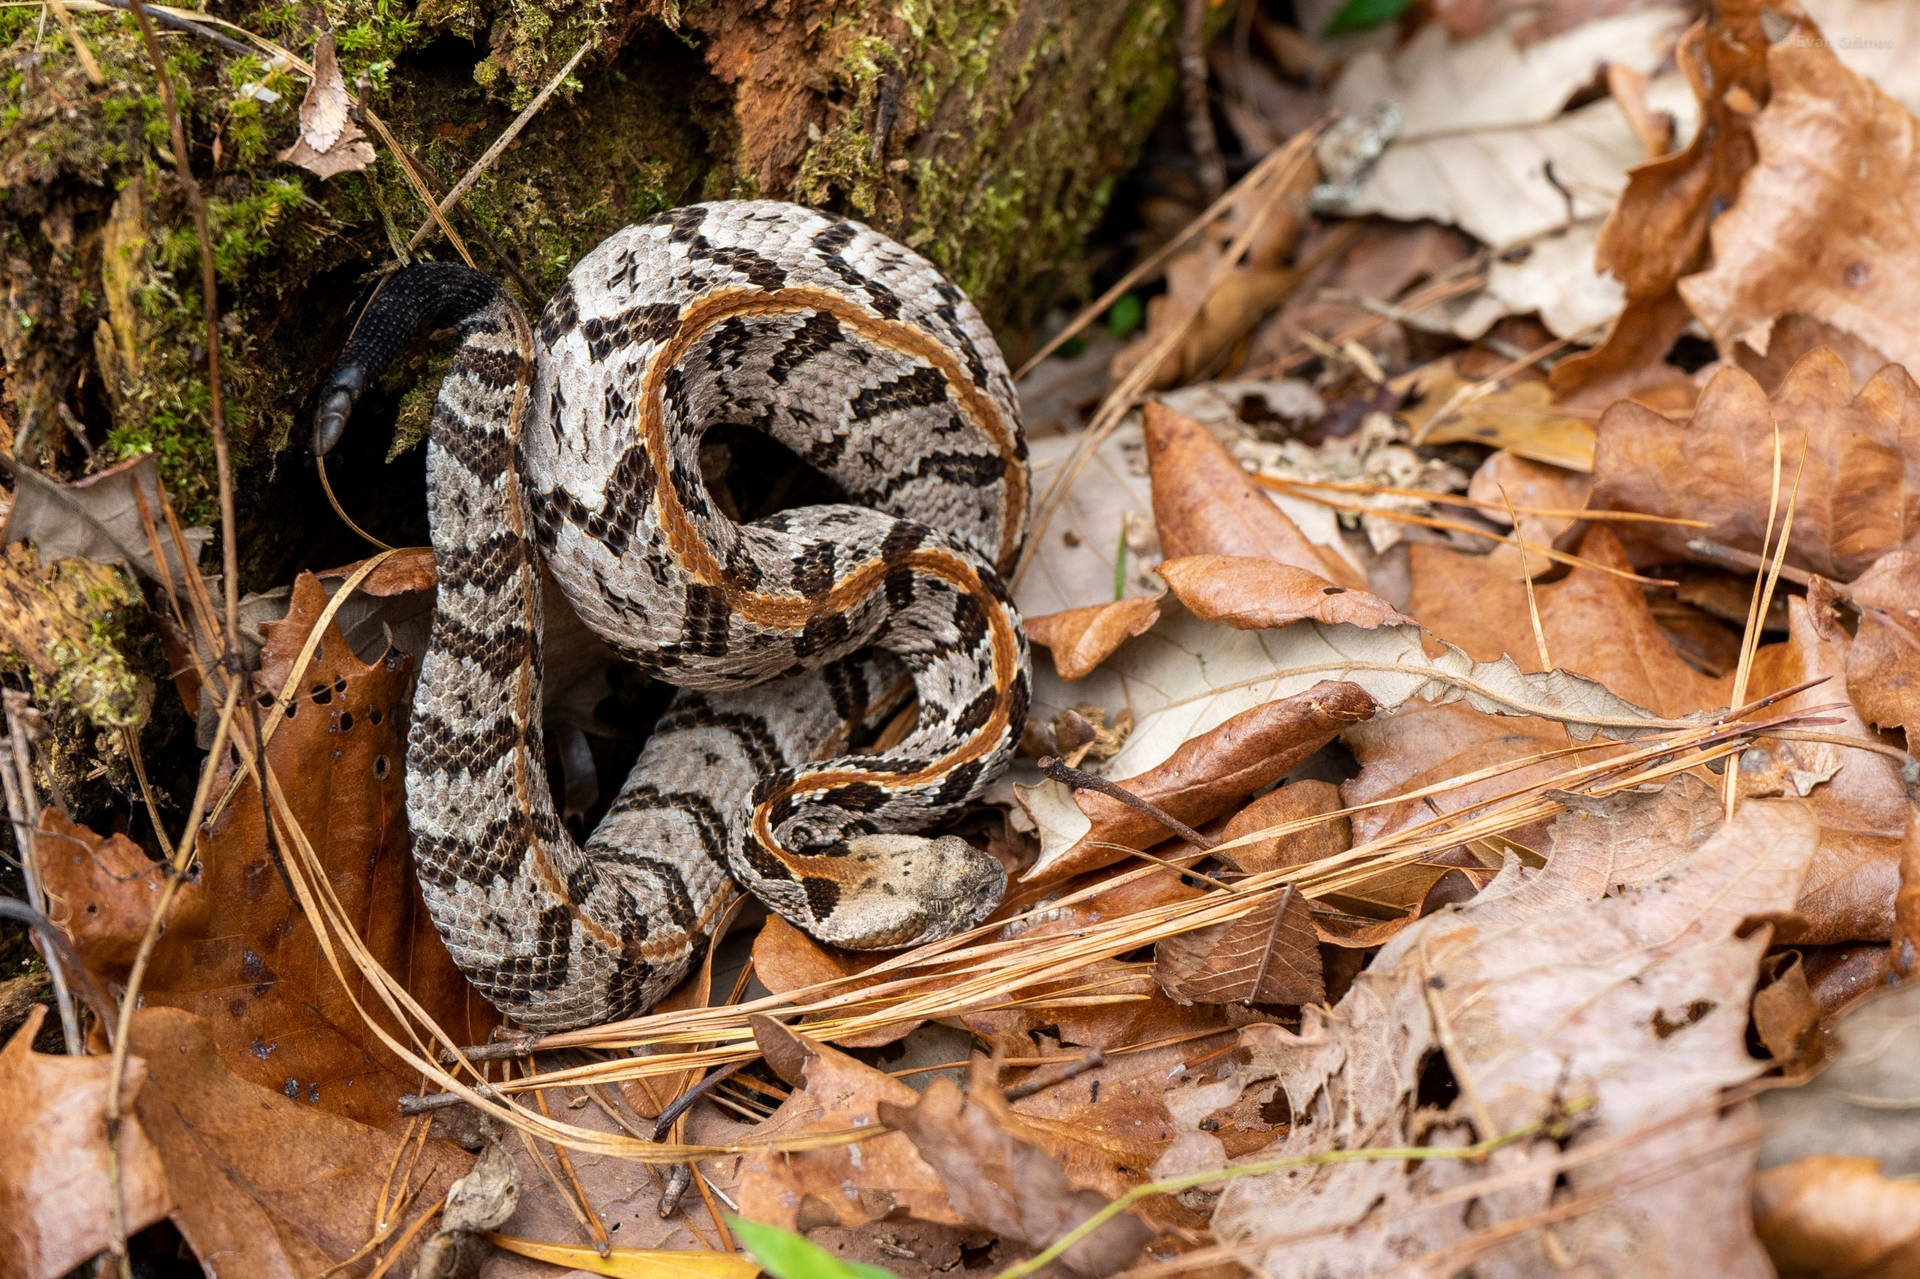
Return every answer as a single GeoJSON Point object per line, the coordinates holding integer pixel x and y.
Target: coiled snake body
{"type": "Point", "coordinates": [577, 447]}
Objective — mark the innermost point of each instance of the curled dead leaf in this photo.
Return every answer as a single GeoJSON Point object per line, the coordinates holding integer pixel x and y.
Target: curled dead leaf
{"type": "Point", "coordinates": [1253, 593]}
{"type": "Point", "coordinates": [1205, 503]}
{"type": "Point", "coordinates": [1081, 638]}
{"type": "Point", "coordinates": [1200, 779]}
{"type": "Point", "coordinates": [330, 142]}
{"type": "Point", "coordinates": [56, 1171]}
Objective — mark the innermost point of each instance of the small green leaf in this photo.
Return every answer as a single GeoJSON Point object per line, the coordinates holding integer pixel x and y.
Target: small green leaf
{"type": "Point", "coordinates": [1363, 15]}
{"type": "Point", "coordinates": [789, 1256]}
{"type": "Point", "coordinates": [1125, 315]}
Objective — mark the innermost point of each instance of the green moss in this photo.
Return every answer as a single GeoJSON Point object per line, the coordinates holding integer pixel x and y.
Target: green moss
{"type": "Point", "coordinates": [1016, 185]}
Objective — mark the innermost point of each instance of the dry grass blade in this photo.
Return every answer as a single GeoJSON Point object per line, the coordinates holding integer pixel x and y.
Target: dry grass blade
{"type": "Point", "coordinates": [492, 153]}
{"type": "Point", "coordinates": [1277, 169]}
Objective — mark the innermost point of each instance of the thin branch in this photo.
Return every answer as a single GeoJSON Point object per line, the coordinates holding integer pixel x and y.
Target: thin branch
{"type": "Point", "coordinates": [1080, 779]}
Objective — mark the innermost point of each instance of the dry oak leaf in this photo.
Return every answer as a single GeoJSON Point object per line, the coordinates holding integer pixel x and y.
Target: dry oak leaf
{"type": "Point", "coordinates": [1657, 231]}
{"type": "Point", "coordinates": [56, 1172]}
{"type": "Point", "coordinates": [835, 1185]}
{"type": "Point", "coordinates": [265, 1186]}
{"type": "Point", "coordinates": [1507, 477]}
{"type": "Point", "coordinates": [249, 961]}
{"type": "Point", "coordinates": [1552, 985]}
{"type": "Point", "coordinates": [1205, 503]}
{"type": "Point", "coordinates": [329, 142]}
{"type": "Point", "coordinates": [1825, 224]}
{"type": "Point", "coordinates": [1835, 1217]}
{"type": "Point", "coordinates": [1859, 492]}
{"type": "Point", "coordinates": [1000, 1182]}
{"type": "Point", "coordinates": [1269, 956]}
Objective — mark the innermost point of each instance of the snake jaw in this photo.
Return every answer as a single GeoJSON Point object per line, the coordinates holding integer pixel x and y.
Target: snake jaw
{"type": "Point", "coordinates": [912, 889]}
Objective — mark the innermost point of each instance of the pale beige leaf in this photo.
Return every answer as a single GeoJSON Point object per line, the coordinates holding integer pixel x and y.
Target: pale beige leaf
{"type": "Point", "coordinates": [1186, 677]}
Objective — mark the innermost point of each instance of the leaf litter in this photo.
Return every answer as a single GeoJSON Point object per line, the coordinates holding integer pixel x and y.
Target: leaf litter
{"type": "Point", "coordinates": [1429, 905]}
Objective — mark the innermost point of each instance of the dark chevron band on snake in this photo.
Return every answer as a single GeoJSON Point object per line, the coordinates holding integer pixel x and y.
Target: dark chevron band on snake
{"type": "Point", "coordinates": [576, 447]}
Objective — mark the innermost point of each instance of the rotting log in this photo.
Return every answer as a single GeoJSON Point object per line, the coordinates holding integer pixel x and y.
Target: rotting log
{"type": "Point", "coordinates": [986, 133]}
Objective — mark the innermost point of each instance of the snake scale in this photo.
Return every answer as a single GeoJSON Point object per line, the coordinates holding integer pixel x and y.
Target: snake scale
{"type": "Point", "coordinates": [576, 446]}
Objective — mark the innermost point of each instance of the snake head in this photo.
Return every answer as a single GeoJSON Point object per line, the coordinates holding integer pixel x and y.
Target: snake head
{"type": "Point", "coordinates": [896, 891]}
{"type": "Point", "coordinates": [330, 423]}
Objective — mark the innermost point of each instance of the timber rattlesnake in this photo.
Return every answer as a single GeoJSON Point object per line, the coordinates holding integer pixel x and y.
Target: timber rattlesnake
{"type": "Point", "coordinates": [577, 447]}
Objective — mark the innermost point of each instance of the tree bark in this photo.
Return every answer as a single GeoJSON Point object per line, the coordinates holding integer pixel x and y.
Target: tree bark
{"type": "Point", "coordinates": [988, 134]}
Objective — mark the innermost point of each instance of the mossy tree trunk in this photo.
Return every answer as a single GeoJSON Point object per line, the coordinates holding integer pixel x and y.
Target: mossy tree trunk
{"type": "Point", "coordinates": [986, 133]}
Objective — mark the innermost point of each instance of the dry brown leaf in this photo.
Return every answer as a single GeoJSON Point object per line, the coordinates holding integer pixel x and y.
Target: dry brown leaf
{"type": "Point", "coordinates": [1205, 503]}
{"type": "Point", "coordinates": [1657, 231]}
{"type": "Point", "coordinates": [1203, 776]}
{"type": "Point", "coordinates": [1859, 494]}
{"type": "Point", "coordinates": [55, 1167]}
{"type": "Point", "coordinates": [836, 1185]}
{"type": "Point", "coordinates": [1519, 417]}
{"type": "Point", "coordinates": [1859, 1105]}
{"type": "Point", "coordinates": [1507, 478]}
{"type": "Point", "coordinates": [1883, 663]}
{"type": "Point", "coordinates": [1187, 678]}
{"type": "Point", "coordinates": [1269, 956]}
{"type": "Point", "coordinates": [263, 1184]}
{"type": "Point", "coordinates": [786, 959]}
{"type": "Point", "coordinates": [1849, 893]}
{"type": "Point", "coordinates": [99, 518]}
{"type": "Point", "coordinates": [1829, 1216]}
{"type": "Point", "coordinates": [1596, 624]}
{"type": "Point", "coordinates": [1291, 802]}
{"type": "Point", "coordinates": [1552, 985]}
{"type": "Point", "coordinates": [1850, 789]}
{"type": "Point", "coordinates": [1002, 1183]}
{"type": "Point", "coordinates": [1825, 222]}
{"type": "Point", "coordinates": [1081, 638]}
{"type": "Point", "coordinates": [101, 893]}
{"type": "Point", "coordinates": [1251, 593]}
{"type": "Point", "coordinates": [1421, 746]}
{"type": "Point", "coordinates": [329, 142]}
{"type": "Point", "coordinates": [248, 961]}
